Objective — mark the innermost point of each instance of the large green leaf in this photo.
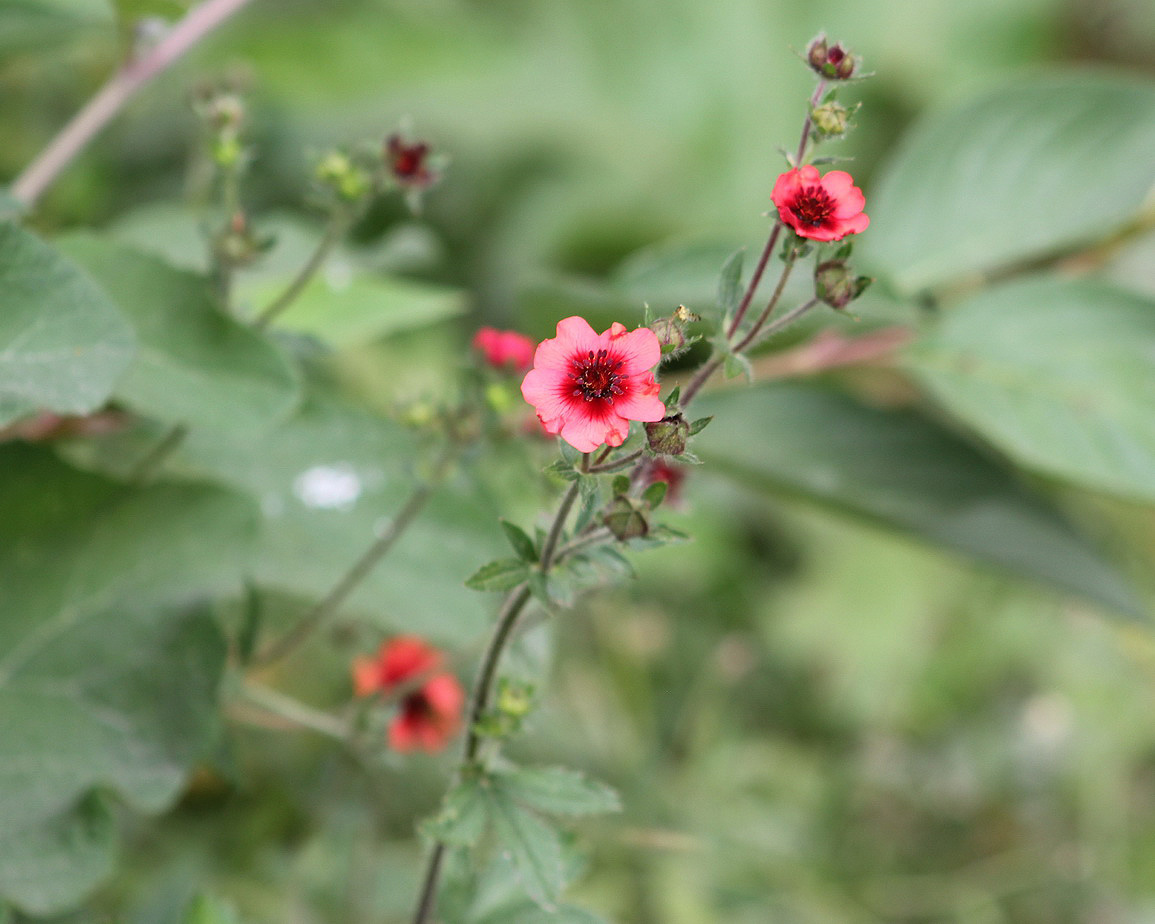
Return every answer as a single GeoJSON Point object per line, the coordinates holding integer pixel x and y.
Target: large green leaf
{"type": "Point", "coordinates": [63, 344]}
{"type": "Point", "coordinates": [1020, 172]}
{"type": "Point", "coordinates": [344, 309]}
{"type": "Point", "coordinates": [123, 700]}
{"type": "Point", "coordinates": [108, 670]}
{"type": "Point", "coordinates": [195, 365]}
{"type": "Point", "coordinates": [899, 469]}
{"type": "Point", "coordinates": [329, 480]}
{"type": "Point", "coordinates": [73, 543]}
{"type": "Point", "coordinates": [1060, 375]}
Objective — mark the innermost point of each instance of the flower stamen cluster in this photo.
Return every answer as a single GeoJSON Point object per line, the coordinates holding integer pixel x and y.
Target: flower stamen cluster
{"type": "Point", "coordinates": [597, 377]}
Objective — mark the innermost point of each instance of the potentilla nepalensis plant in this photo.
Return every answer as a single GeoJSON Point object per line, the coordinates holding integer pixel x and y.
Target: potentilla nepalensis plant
{"type": "Point", "coordinates": [590, 390]}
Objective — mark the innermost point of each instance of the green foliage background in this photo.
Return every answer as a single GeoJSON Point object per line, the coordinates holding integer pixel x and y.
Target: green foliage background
{"type": "Point", "coordinates": [886, 681]}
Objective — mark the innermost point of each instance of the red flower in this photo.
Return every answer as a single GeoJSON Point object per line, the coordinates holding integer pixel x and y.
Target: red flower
{"type": "Point", "coordinates": [587, 387]}
{"type": "Point", "coordinates": [822, 209]}
{"type": "Point", "coordinates": [502, 348]}
{"type": "Point", "coordinates": [409, 163]}
{"type": "Point", "coordinates": [430, 714]}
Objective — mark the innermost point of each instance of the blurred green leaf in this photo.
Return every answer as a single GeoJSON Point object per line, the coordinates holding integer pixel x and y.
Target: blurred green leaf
{"type": "Point", "coordinates": [463, 816]}
{"type": "Point", "coordinates": [1060, 375]}
{"type": "Point", "coordinates": [900, 469]}
{"type": "Point", "coordinates": [131, 10]}
{"type": "Point", "coordinates": [329, 479]}
{"type": "Point", "coordinates": [31, 25]}
{"type": "Point", "coordinates": [347, 308]}
{"type": "Point", "coordinates": [730, 283]}
{"type": "Point", "coordinates": [207, 909]}
{"type": "Point", "coordinates": [49, 864]}
{"type": "Point", "coordinates": [107, 677]}
{"type": "Point", "coordinates": [63, 343]}
{"type": "Point", "coordinates": [1021, 172]}
{"type": "Point", "coordinates": [533, 845]}
{"type": "Point", "coordinates": [195, 365]}
{"type": "Point", "coordinates": [503, 574]}
{"type": "Point", "coordinates": [73, 543]}
{"type": "Point", "coordinates": [557, 791]}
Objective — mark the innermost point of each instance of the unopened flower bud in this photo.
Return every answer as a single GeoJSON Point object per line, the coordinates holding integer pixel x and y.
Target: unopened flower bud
{"type": "Point", "coordinates": [816, 53]}
{"type": "Point", "coordinates": [344, 177]}
{"type": "Point", "coordinates": [625, 518]}
{"type": "Point", "coordinates": [831, 61]}
{"type": "Point", "coordinates": [671, 331]}
{"type": "Point", "coordinates": [836, 285]}
{"type": "Point", "coordinates": [514, 699]}
{"type": "Point", "coordinates": [667, 437]}
{"type": "Point", "coordinates": [830, 118]}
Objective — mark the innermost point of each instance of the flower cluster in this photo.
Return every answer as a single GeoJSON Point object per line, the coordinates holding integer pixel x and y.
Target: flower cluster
{"type": "Point", "coordinates": [430, 713]}
{"type": "Point", "coordinates": [587, 387]}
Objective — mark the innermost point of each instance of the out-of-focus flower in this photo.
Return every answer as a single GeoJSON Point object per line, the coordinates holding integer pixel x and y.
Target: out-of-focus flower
{"type": "Point", "coordinates": [409, 163]}
{"type": "Point", "coordinates": [429, 714]}
{"type": "Point", "coordinates": [504, 349]}
{"type": "Point", "coordinates": [821, 208]}
{"type": "Point", "coordinates": [587, 387]}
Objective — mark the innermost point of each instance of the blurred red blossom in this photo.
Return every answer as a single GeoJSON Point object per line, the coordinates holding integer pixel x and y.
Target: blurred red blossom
{"type": "Point", "coordinates": [587, 387]}
{"type": "Point", "coordinates": [504, 348]}
{"type": "Point", "coordinates": [430, 713]}
{"type": "Point", "coordinates": [824, 208]}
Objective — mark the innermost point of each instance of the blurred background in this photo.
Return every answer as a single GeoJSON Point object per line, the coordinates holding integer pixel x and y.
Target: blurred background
{"type": "Point", "coordinates": [809, 719]}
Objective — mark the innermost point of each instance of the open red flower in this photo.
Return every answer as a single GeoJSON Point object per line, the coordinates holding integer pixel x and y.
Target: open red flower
{"type": "Point", "coordinates": [504, 348]}
{"type": "Point", "coordinates": [430, 714]}
{"type": "Point", "coordinates": [821, 208]}
{"type": "Point", "coordinates": [587, 387]}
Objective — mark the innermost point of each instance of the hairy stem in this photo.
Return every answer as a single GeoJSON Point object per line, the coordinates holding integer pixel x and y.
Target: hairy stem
{"type": "Point", "coordinates": [507, 618]}
{"type": "Point", "coordinates": [333, 234]}
{"type": "Point", "coordinates": [112, 97]}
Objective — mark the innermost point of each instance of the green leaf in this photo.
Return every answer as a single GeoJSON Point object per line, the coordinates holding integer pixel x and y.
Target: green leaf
{"type": "Point", "coordinates": [520, 541]}
{"type": "Point", "coordinates": [51, 865]}
{"type": "Point", "coordinates": [195, 365]}
{"type": "Point", "coordinates": [73, 543]}
{"type": "Point", "coordinates": [107, 677]}
{"type": "Point", "coordinates": [557, 791]}
{"type": "Point", "coordinates": [503, 574]}
{"type": "Point", "coordinates": [121, 700]}
{"type": "Point", "coordinates": [207, 909]}
{"type": "Point", "coordinates": [330, 478]}
{"type": "Point", "coordinates": [63, 343]}
{"type": "Point", "coordinates": [1061, 161]}
{"type": "Point", "coordinates": [130, 11]}
{"type": "Point", "coordinates": [730, 282]}
{"type": "Point", "coordinates": [464, 814]}
{"type": "Point", "coordinates": [1059, 375]}
{"type": "Point", "coordinates": [677, 273]}
{"type": "Point", "coordinates": [898, 469]}
{"type": "Point", "coordinates": [347, 308]}
{"type": "Point", "coordinates": [533, 845]}
{"type": "Point", "coordinates": [735, 364]}
{"type": "Point", "coordinates": [101, 685]}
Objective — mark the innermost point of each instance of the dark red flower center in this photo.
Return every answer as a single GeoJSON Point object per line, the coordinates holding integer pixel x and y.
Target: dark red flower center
{"type": "Point", "coordinates": [813, 206]}
{"type": "Point", "coordinates": [596, 377]}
